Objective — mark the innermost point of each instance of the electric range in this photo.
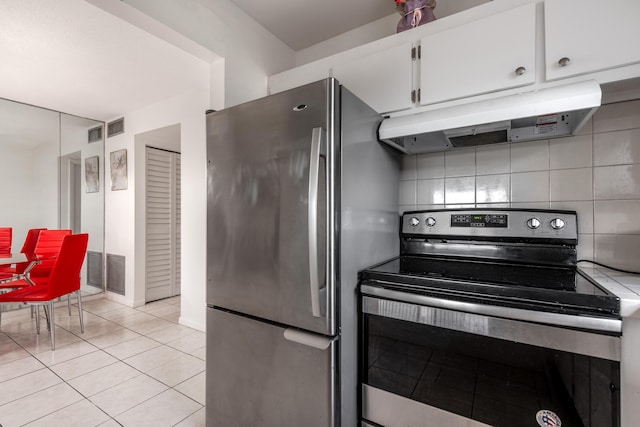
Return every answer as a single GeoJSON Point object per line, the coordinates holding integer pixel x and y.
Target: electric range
{"type": "Point", "coordinates": [498, 293]}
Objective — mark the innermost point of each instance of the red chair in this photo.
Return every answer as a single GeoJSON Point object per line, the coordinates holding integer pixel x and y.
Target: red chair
{"type": "Point", "coordinates": [29, 245]}
{"type": "Point", "coordinates": [63, 280]}
{"type": "Point", "coordinates": [5, 240]}
{"type": "Point", "coordinates": [34, 248]}
{"type": "Point", "coordinates": [5, 245]}
{"type": "Point", "coordinates": [46, 250]}
{"type": "Point", "coordinates": [28, 248]}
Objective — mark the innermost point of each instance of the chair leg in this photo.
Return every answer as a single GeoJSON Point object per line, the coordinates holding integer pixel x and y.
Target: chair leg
{"type": "Point", "coordinates": [52, 326]}
{"type": "Point", "coordinates": [37, 319]}
{"type": "Point", "coordinates": [80, 312]}
{"type": "Point", "coordinates": [69, 304]}
{"type": "Point", "coordinates": [46, 316]}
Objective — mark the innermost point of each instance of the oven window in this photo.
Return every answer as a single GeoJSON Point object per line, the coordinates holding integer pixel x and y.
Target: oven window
{"type": "Point", "coordinates": [497, 382]}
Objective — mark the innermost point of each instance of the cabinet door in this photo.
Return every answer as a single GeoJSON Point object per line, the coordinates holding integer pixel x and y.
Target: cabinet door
{"type": "Point", "coordinates": [383, 80]}
{"type": "Point", "coordinates": [487, 55]}
{"type": "Point", "coordinates": [591, 35]}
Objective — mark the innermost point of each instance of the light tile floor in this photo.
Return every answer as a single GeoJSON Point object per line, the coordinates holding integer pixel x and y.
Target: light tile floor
{"type": "Point", "coordinates": [131, 367]}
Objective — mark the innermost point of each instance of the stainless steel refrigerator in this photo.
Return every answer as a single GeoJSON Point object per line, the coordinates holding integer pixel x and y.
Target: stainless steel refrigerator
{"type": "Point", "coordinates": [301, 195]}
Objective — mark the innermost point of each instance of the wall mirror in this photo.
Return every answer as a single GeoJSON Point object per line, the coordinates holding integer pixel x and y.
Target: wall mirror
{"type": "Point", "coordinates": [52, 176]}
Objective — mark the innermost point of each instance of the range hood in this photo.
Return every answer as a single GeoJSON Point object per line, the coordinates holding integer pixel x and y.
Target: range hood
{"type": "Point", "coordinates": [543, 114]}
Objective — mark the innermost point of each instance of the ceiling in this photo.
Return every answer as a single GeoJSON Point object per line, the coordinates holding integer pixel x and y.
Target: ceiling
{"type": "Point", "coordinates": [71, 56]}
{"type": "Point", "coordinates": [74, 57]}
{"type": "Point", "coordinates": [300, 24]}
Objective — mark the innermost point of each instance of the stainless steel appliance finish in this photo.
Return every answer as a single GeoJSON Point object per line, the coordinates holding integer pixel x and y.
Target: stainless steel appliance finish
{"type": "Point", "coordinates": [301, 196]}
{"type": "Point", "coordinates": [533, 329]}
{"type": "Point", "coordinates": [370, 305]}
{"type": "Point", "coordinates": [391, 409]}
{"type": "Point", "coordinates": [492, 224]}
{"type": "Point", "coordinates": [485, 319]}
{"type": "Point", "coordinates": [262, 377]}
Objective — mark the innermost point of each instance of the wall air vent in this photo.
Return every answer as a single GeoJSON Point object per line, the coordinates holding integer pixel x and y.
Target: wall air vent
{"type": "Point", "coordinates": [95, 134]}
{"type": "Point", "coordinates": [115, 127]}
{"type": "Point", "coordinates": [115, 273]}
{"type": "Point", "coordinates": [94, 269]}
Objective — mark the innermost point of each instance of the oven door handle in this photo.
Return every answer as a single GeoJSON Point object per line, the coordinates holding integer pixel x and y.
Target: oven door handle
{"type": "Point", "coordinates": [553, 319]}
{"type": "Point", "coordinates": [318, 150]}
{"type": "Point", "coordinates": [594, 344]}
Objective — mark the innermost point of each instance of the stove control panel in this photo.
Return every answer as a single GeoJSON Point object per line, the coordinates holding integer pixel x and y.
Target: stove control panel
{"type": "Point", "coordinates": [516, 223]}
{"type": "Point", "coordinates": [480, 220]}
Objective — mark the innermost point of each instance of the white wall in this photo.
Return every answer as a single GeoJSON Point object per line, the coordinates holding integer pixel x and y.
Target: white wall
{"type": "Point", "coordinates": [124, 213]}
{"type": "Point", "coordinates": [367, 33]}
{"type": "Point", "coordinates": [250, 52]}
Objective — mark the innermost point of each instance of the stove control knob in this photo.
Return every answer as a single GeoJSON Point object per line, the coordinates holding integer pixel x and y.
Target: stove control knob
{"type": "Point", "coordinates": [557, 223]}
{"type": "Point", "coordinates": [431, 221]}
{"type": "Point", "coordinates": [533, 223]}
{"type": "Point", "coordinates": [414, 222]}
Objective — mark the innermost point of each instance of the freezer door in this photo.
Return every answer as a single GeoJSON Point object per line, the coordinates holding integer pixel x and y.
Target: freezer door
{"type": "Point", "coordinates": [269, 192]}
{"type": "Point", "coordinates": [259, 374]}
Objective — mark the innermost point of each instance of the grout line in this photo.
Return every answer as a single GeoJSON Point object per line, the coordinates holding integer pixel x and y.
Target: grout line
{"type": "Point", "coordinates": [87, 311]}
{"type": "Point", "coordinates": [592, 255]}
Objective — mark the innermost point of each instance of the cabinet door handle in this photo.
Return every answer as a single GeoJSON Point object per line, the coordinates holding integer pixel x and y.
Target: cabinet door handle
{"type": "Point", "coordinates": [520, 71]}
{"type": "Point", "coordinates": [564, 62]}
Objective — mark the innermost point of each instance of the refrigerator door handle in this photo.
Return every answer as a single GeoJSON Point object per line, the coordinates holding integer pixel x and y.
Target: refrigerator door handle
{"type": "Point", "coordinates": [317, 150]}
{"type": "Point", "coordinates": [305, 338]}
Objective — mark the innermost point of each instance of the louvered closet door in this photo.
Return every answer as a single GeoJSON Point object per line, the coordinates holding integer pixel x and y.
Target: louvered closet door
{"type": "Point", "coordinates": [178, 247]}
{"type": "Point", "coordinates": [162, 224]}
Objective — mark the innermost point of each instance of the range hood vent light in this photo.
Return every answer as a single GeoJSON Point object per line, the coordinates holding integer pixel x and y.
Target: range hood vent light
{"type": "Point", "coordinates": [493, 137]}
{"type": "Point", "coordinates": [544, 114]}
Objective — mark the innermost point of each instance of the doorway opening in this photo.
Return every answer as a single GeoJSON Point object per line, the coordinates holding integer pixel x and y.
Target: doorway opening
{"type": "Point", "coordinates": [71, 192]}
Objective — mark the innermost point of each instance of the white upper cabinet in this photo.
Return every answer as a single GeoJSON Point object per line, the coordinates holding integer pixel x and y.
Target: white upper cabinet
{"type": "Point", "coordinates": [494, 53]}
{"type": "Point", "coordinates": [584, 36]}
{"type": "Point", "coordinates": [383, 80]}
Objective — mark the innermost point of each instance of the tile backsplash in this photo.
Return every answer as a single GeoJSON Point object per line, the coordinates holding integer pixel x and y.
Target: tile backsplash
{"type": "Point", "coordinates": [596, 173]}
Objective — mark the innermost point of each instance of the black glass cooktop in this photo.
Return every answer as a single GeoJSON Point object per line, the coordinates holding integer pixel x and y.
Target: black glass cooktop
{"type": "Point", "coordinates": [535, 287]}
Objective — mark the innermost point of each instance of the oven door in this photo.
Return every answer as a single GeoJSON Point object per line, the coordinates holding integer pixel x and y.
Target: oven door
{"type": "Point", "coordinates": [424, 365]}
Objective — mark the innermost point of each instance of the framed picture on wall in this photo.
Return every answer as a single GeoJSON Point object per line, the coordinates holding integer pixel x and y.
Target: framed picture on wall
{"type": "Point", "coordinates": [91, 174]}
{"type": "Point", "coordinates": [119, 170]}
